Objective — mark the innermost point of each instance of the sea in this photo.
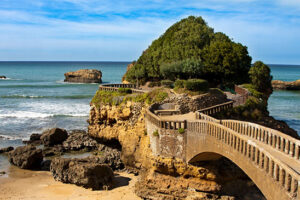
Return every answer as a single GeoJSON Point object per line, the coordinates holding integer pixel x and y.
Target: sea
{"type": "Point", "coordinates": [34, 97]}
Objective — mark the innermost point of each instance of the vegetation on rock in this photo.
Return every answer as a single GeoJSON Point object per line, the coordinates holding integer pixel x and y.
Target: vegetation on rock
{"type": "Point", "coordinates": [122, 96]}
{"type": "Point", "coordinates": [191, 49]}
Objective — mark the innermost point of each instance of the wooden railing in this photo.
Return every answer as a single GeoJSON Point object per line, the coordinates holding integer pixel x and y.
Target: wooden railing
{"type": "Point", "coordinates": [274, 138]}
{"type": "Point", "coordinates": [215, 109]}
{"type": "Point", "coordinates": [279, 171]}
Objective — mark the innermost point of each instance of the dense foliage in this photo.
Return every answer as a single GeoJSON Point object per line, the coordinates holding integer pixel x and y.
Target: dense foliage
{"type": "Point", "coordinates": [261, 79]}
{"type": "Point", "coordinates": [191, 49]}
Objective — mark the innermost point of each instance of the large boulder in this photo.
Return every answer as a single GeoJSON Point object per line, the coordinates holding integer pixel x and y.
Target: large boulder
{"type": "Point", "coordinates": [54, 136]}
{"type": "Point", "coordinates": [109, 156]}
{"type": "Point", "coordinates": [78, 140]}
{"type": "Point", "coordinates": [81, 172]}
{"type": "Point", "coordinates": [286, 85]}
{"type": "Point", "coordinates": [84, 76]}
{"type": "Point", "coordinates": [26, 157]}
{"type": "Point", "coordinates": [6, 149]}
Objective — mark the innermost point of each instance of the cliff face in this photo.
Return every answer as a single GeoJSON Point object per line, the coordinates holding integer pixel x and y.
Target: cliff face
{"type": "Point", "coordinates": [125, 124]}
{"type": "Point", "coordinates": [162, 178]}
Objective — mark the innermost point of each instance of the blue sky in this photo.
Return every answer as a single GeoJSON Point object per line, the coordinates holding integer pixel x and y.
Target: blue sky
{"type": "Point", "coordinates": [111, 30]}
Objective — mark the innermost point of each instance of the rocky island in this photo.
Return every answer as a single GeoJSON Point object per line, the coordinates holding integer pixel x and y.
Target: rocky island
{"type": "Point", "coordinates": [286, 85]}
{"type": "Point", "coordinates": [84, 76]}
{"type": "Point", "coordinates": [190, 126]}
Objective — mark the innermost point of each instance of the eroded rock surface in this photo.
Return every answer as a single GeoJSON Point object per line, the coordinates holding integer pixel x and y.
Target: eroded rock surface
{"type": "Point", "coordinates": [79, 139]}
{"type": "Point", "coordinates": [6, 150]}
{"type": "Point", "coordinates": [54, 136]}
{"type": "Point", "coordinates": [286, 85]}
{"type": "Point", "coordinates": [84, 76]}
{"type": "Point", "coordinates": [26, 157]}
{"type": "Point", "coordinates": [82, 172]}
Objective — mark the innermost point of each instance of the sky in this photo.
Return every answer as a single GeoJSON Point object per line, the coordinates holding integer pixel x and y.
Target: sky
{"type": "Point", "coordinates": [110, 30]}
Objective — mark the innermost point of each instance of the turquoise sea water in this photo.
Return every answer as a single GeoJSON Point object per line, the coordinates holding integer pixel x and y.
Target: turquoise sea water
{"type": "Point", "coordinates": [35, 98]}
{"type": "Point", "coordinates": [285, 105]}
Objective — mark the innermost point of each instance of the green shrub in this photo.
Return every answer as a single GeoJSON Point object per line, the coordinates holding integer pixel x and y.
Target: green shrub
{"type": "Point", "coordinates": [181, 130]}
{"type": "Point", "coordinates": [167, 83]}
{"type": "Point", "coordinates": [125, 90]}
{"type": "Point", "coordinates": [155, 133]}
{"type": "Point", "coordinates": [179, 83]}
{"type": "Point", "coordinates": [196, 85]}
{"type": "Point", "coordinates": [154, 84]}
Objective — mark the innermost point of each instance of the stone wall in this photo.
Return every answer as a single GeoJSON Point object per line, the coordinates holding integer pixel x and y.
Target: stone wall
{"type": "Point", "coordinates": [168, 142]}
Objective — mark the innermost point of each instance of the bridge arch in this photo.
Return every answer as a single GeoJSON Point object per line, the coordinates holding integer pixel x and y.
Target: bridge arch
{"type": "Point", "coordinates": [209, 140]}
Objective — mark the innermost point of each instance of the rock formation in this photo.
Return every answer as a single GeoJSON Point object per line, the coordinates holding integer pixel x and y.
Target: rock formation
{"type": "Point", "coordinates": [54, 136]}
{"type": "Point", "coordinates": [6, 150]}
{"type": "Point", "coordinates": [129, 66]}
{"type": "Point", "coordinates": [285, 85]}
{"type": "Point", "coordinates": [26, 157]}
{"type": "Point", "coordinates": [84, 76]}
{"type": "Point", "coordinates": [79, 140]}
{"type": "Point", "coordinates": [2, 77]}
{"type": "Point", "coordinates": [82, 173]}
{"type": "Point", "coordinates": [162, 178]}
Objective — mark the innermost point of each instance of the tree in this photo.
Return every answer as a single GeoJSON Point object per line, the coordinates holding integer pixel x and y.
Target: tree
{"type": "Point", "coordinates": [226, 62]}
{"type": "Point", "coordinates": [191, 49]}
{"type": "Point", "coordinates": [260, 75]}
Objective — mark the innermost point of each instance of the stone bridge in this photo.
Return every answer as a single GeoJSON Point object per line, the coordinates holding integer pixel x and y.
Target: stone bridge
{"type": "Point", "coordinates": [270, 158]}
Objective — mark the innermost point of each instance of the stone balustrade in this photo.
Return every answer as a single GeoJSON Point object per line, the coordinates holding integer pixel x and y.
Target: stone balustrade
{"type": "Point", "coordinates": [115, 87]}
{"type": "Point", "coordinates": [215, 109]}
{"type": "Point", "coordinates": [286, 177]}
{"type": "Point", "coordinates": [274, 138]}
{"type": "Point", "coordinates": [234, 138]}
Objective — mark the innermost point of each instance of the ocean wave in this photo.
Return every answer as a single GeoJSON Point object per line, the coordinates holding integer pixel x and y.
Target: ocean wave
{"type": "Point", "coordinates": [43, 86]}
{"type": "Point", "coordinates": [8, 137]}
{"type": "Point", "coordinates": [28, 114]}
{"type": "Point", "coordinates": [17, 96]}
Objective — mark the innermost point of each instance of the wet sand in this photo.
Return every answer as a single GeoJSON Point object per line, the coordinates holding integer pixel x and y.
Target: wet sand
{"type": "Point", "coordinates": [25, 184]}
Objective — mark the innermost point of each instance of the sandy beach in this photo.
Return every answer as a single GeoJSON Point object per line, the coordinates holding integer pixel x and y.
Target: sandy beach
{"type": "Point", "coordinates": [25, 184]}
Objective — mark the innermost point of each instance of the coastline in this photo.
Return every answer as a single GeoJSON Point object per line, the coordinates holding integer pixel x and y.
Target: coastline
{"type": "Point", "coordinates": [41, 185]}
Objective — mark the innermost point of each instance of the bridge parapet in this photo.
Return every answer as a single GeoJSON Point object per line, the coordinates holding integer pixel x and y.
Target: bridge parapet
{"type": "Point", "coordinates": [214, 109]}
{"type": "Point", "coordinates": [285, 177]}
{"type": "Point", "coordinates": [115, 87]}
{"type": "Point", "coordinates": [276, 139]}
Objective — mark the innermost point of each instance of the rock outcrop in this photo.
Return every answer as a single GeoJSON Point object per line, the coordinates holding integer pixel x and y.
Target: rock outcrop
{"type": "Point", "coordinates": [286, 85]}
{"type": "Point", "coordinates": [78, 140]}
{"type": "Point", "coordinates": [2, 77]}
{"type": "Point", "coordinates": [129, 66]}
{"type": "Point", "coordinates": [82, 173]}
{"type": "Point", "coordinates": [84, 76]}
{"type": "Point", "coordinates": [54, 136]}
{"type": "Point", "coordinates": [6, 150]}
{"type": "Point", "coordinates": [26, 157]}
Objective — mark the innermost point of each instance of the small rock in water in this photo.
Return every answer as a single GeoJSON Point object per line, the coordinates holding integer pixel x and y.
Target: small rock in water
{"type": "Point", "coordinates": [35, 139]}
{"type": "Point", "coordinates": [2, 77]}
{"type": "Point", "coordinates": [26, 157]}
{"type": "Point", "coordinates": [5, 150]}
{"type": "Point", "coordinates": [84, 76]}
{"type": "Point", "coordinates": [54, 136]}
